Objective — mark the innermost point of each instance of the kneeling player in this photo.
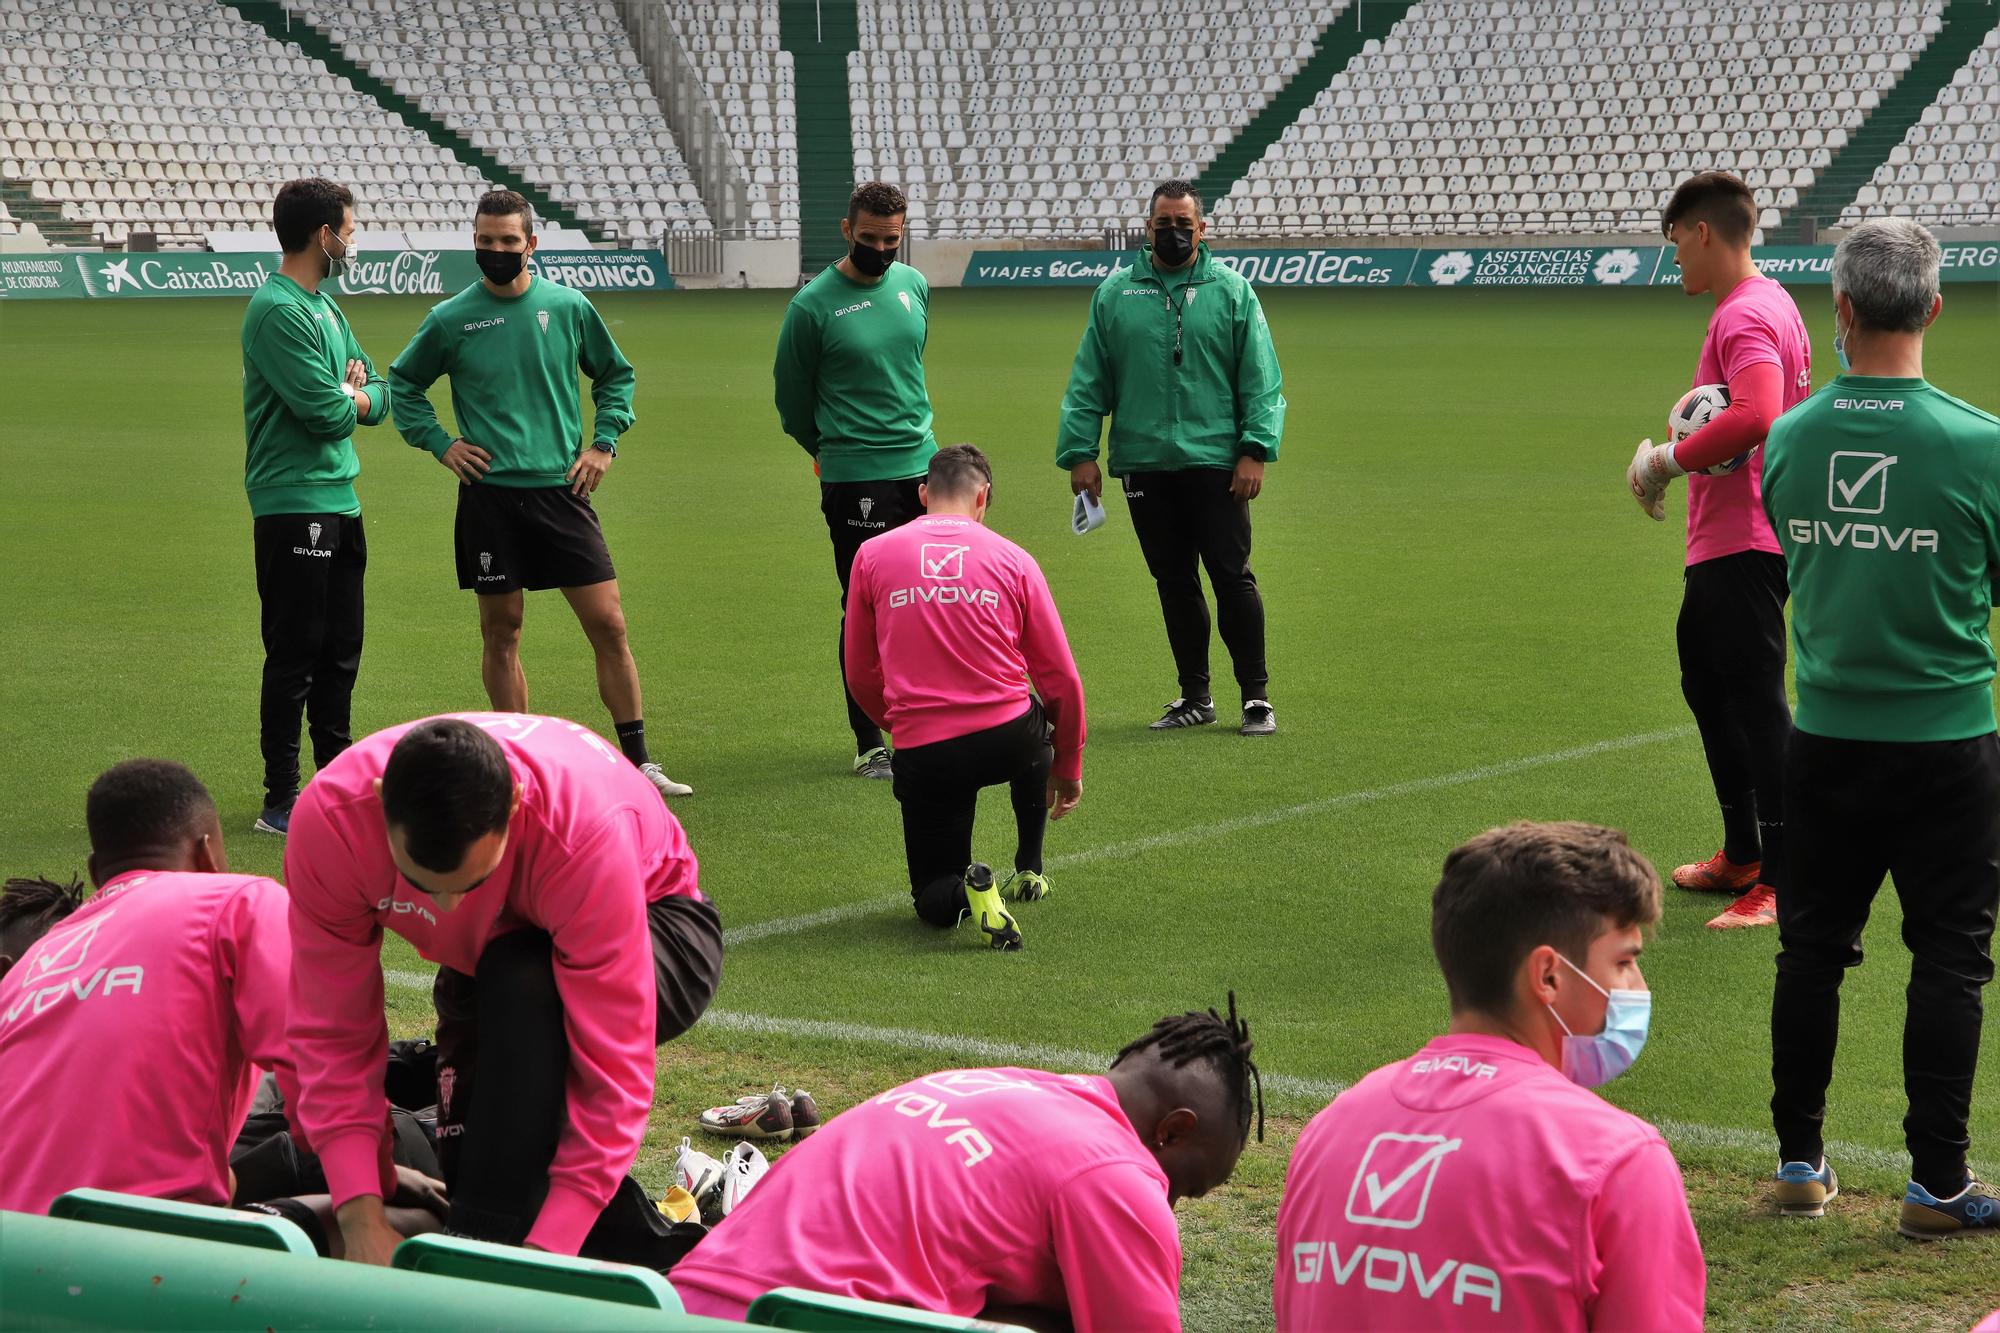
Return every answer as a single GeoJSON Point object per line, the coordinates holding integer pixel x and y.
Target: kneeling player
{"type": "Point", "coordinates": [982, 1190]}
{"type": "Point", "coordinates": [541, 870]}
{"type": "Point", "coordinates": [1478, 1184]}
{"type": "Point", "coordinates": [947, 624]}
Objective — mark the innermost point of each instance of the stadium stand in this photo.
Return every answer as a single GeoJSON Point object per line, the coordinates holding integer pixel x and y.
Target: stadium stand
{"type": "Point", "coordinates": [182, 119]}
{"type": "Point", "coordinates": [1576, 116]}
{"type": "Point", "coordinates": [1004, 117]}
{"type": "Point", "coordinates": [1947, 168]}
{"type": "Point", "coordinates": [555, 92]}
{"type": "Point", "coordinates": [737, 48]}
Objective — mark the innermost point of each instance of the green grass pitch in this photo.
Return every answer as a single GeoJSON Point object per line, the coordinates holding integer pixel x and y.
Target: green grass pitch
{"type": "Point", "coordinates": [1455, 579]}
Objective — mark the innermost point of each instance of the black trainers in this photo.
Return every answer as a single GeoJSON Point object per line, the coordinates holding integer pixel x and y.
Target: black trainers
{"type": "Point", "coordinates": [805, 1114]}
{"type": "Point", "coordinates": [1185, 713]}
{"type": "Point", "coordinates": [1258, 719]}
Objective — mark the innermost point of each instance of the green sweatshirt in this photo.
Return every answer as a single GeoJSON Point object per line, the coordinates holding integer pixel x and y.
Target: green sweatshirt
{"type": "Point", "coordinates": [298, 425]}
{"type": "Point", "coordinates": [513, 363]}
{"type": "Point", "coordinates": [1224, 400]}
{"type": "Point", "coordinates": [1885, 494]}
{"type": "Point", "coordinates": [850, 375]}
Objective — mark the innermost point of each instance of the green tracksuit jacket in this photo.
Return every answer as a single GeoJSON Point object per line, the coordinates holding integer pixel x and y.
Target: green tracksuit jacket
{"type": "Point", "coordinates": [298, 426]}
{"type": "Point", "coordinates": [1885, 494]}
{"type": "Point", "coordinates": [1223, 400]}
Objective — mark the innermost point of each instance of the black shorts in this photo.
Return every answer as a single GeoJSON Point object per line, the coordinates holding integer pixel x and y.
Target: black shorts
{"type": "Point", "coordinates": [1732, 620]}
{"type": "Point", "coordinates": [857, 510]}
{"type": "Point", "coordinates": [511, 538]}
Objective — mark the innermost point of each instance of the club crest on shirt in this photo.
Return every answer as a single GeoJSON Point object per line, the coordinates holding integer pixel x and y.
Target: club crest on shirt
{"type": "Point", "coordinates": [542, 318]}
{"type": "Point", "coordinates": [904, 297]}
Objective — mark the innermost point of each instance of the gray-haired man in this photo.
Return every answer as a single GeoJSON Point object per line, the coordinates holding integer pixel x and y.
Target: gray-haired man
{"type": "Point", "coordinates": [1882, 490]}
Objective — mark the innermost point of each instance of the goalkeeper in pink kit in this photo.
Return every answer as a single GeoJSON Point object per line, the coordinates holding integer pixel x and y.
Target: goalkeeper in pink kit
{"type": "Point", "coordinates": [1731, 632]}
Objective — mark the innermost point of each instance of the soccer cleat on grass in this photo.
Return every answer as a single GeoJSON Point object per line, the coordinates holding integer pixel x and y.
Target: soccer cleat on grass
{"type": "Point", "coordinates": [1184, 713]}
{"type": "Point", "coordinates": [1803, 1191]}
{"type": "Point", "coordinates": [805, 1114]}
{"type": "Point", "coordinates": [668, 787]}
{"type": "Point", "coordinates": [875, 764]}
{"type": "Point", "coordinates": [274, 819]}
{"type": "Point", "coordinates": [1927, 1217]}
{"type": "Point", "coordinates": [982, 904]}
{"type": "Point", "coordinates": [1025, 886]}
{"type": "Point", "coordinates": [745, 1167]}
{"type": "Point", "coordinates": [762, 1115]}
{"type": "Point", "coordinates": [1258, 718]}
{"type": "Point", "coordinates": [700, 1175]}
{"type": "Point", "coordinates": [1718, 874]}
{"type": "Point", "coordinates": [1759, 907]}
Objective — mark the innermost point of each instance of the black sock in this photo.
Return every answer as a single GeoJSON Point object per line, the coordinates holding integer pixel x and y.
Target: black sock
{"type": "Point", "coordinates": [1739, 830]}
{"type": "Point", "coordinates": [632, 740]}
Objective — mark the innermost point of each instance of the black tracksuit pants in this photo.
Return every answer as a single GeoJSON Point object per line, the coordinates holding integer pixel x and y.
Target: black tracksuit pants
{"type": "Point", "coordinates": [1731, 637]}
{"type": "Point", "coordinates": [309, 575]}
{"type": "Point", "coordinates": [502, 1061]}
{"type": "Point", "coordinates": [938, 787]}
{"type": "Point", "coordinates": [854, 512]}
{"type": "Point", "coordinates": [1187, 521]}
{"type": "Point", "coordinates": [1927, 813]}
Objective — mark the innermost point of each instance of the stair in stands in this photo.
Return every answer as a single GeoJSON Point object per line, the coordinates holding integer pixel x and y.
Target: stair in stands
{"type": "Point", "coordinates": [47, 217]}
{"type": "Point", "coordinates": [289, 28]}
{"type": "Point", "coordinates": [1965, 25]}
{"type": "Point", "coordinates": [1361, 22]}
{"type": "Point", "coordinates": [819, 34]}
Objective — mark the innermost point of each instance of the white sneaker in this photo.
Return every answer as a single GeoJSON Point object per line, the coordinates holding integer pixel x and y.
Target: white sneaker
{"type": "Point", "coordinates": [667, 786]}
{"type": "Point", "coordinates": [700, 1175]}
{"type": "Point", "coordinates": [745, 1167]}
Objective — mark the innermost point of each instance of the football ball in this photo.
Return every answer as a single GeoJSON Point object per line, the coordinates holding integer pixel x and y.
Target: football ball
{"type": "Point", "coordinates": [1697, 407]}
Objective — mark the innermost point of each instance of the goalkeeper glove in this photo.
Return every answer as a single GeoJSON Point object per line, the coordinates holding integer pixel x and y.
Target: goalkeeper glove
{"type": "Point", "coordinates": [1653, 468]}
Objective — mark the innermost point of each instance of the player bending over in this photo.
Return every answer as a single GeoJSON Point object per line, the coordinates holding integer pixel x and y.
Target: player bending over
{"type": "Point", "coordinates": [976, 1191]}
{"type": "Point", "coordinates": [947, 624]}
{"type": "Point", "coordinates": [1731, 633]}
{"type": "Point", "coordinates": [512, 344]}
{"type": "Point", "coordinates": [1480, 1183]}
{"type": "Point", "coordinates": [537, 866]}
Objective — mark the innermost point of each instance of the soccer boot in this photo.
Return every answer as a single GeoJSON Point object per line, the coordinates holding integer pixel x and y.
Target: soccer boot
{"type": "Point", "coordinates": [762, 1115]}
{"type": "Point", "coordinates": [668, 787]}
{"type": "Point", "coordinates": [1758, 907]}
{"type": "Point", "coordinates": [1184, 713]}
{"type": "Point", "coordinates": [698, 1174]}
{"type": "Point", "coordinates": [1025, 886]}
{"type": "Point", "coordinates": [1804, 1191]}
{"type": "Point", "coordinates": [982, 904]}
{"type": "Point", "coordinates": [1718, 874]}
{"type": "Point", "coordinates": [805, 1114]}
{"type": "Point", "coordinates": [874, 764]}
{"type": "Point", "coordinates": [1975, 1208]}
{"type": "Point", "coordinates": [741, 1172]}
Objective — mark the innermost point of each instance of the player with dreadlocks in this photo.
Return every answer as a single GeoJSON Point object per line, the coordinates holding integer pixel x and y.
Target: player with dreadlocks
{"type": "Point", "coordinates": [28, 908]}
{"type": "Point", "coordinates": [1001, 1192]}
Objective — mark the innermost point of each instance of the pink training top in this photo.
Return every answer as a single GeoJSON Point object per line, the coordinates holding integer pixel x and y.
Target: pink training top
{"type": "Point", "coordinates": [1472, 1186]}
{"type": "Point", "coordinates": [143, 1015]}
{"type": "Point", "coordinates": [589, 848]}
{"type": "Point", "coordinates": [1756, 322]}
{"type": "Point", "coordinates": [947, 622]}
{"type": "Point", "coordinates": [963, 1190]}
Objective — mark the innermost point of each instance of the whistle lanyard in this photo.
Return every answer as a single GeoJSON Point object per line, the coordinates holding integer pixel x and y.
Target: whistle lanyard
{"type": "Point", "coordinates": [1178, 311]}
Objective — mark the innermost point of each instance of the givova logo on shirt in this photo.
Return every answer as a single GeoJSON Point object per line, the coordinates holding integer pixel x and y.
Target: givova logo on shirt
{"type": "Point", "coordinates": [63, 955]}
{"type": "Point", "coordinates": [1392, 1188]}
{"type": "Point", "coordinates": [1857, 482]}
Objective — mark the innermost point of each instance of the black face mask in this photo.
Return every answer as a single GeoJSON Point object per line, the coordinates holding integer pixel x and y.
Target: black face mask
{"type": "Point", "coordinates": [1173, 245]}
{"type": "Point", "coordinates": [500, 266]}
{"type": "Point", "coordinates": [871, 262]}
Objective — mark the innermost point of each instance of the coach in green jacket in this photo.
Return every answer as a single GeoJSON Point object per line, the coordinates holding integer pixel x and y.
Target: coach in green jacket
{"type": "Point", "coordinates": [306, 385]}
{"type": "Point", "coordinates": [1885, 493]}
{"type": "Point", "coordinates": [1179, 357]}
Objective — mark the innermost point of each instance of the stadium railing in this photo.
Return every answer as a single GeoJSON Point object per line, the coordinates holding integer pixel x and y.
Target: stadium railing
{"type": "Point", "coordinates": [536, 1270]}
{"type": "Point", "coordinates": [169, 1218]}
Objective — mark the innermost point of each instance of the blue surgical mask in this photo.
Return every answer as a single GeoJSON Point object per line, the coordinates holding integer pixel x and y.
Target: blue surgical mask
{"type": "Point", "coordinates": [1594, 1060]}
{"type": "Point", "coordinates": [1839, 343]}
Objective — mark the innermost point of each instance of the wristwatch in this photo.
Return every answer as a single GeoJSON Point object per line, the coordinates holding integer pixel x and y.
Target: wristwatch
{"type": "Point", "coordinates": [605, 446]}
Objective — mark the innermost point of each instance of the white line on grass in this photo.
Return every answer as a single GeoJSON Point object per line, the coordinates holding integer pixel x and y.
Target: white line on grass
{"type": "Point", "coordinates": [1063, 1058]}
{"type": "Point", "coordinates": [827, 916]}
